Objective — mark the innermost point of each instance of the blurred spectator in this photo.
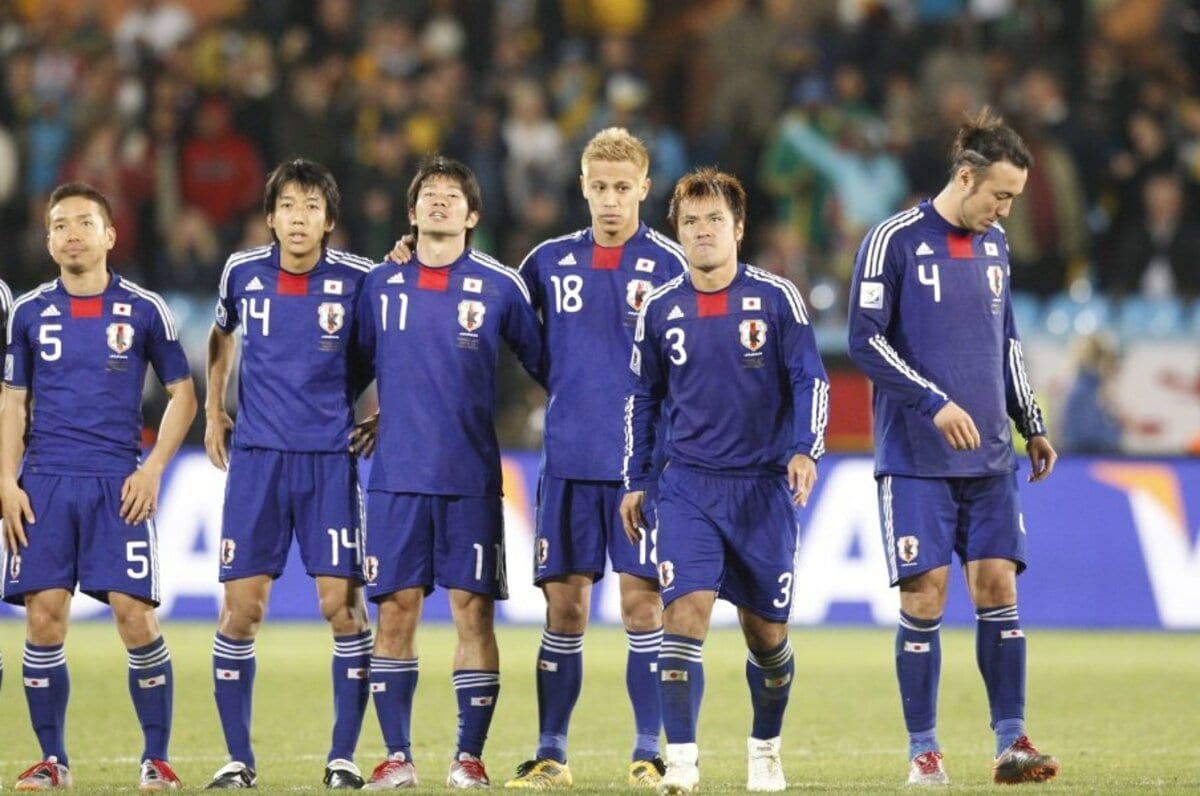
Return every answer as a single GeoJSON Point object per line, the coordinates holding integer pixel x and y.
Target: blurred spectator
{"type": "Point", "coordinates": [220, 172]}
{"type": "Point", "coordinates": [150, 29]}
{"type": "Point", "coordinates": [1159, 254]}
{"type": "Point", "coordinates": [1090, 424]}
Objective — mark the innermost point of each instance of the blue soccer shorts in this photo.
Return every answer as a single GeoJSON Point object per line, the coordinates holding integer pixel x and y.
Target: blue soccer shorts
{"type": "Point", "coordinates": [925, 520]}
{"type": "Point", "coordinates": [735, 536]}
{"type": "Point", "coordinates": [578, 522]}
{"type": "Point", "coordinates": [80, 538]}
{"type": "Point", "coordinates": [271, 495]}
{"type": "Point", "coordinates": [452, 541]}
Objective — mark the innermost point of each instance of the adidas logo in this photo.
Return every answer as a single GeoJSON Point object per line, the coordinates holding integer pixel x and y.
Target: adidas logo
{"type": "Point", "coordinates": [923, 250]}
{"type": "Point", "coordinates": [569, 259]}
{"type": "Point", "coordinates": [51, 312]}
{"type": "Point", "coordinates": [674, 313]}
{"type": "Point", "coordinates": [254, 284]}
{"type": "Point", "coordinates": [398, 279]}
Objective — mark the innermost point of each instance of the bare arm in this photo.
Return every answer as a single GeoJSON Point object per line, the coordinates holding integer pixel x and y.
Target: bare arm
{"type": "Point", "coordinates": [217, 423]}
{"type": "Point", "coordinates": [139, 493]}
{"type": "Point", "coordinates": [16, 508]}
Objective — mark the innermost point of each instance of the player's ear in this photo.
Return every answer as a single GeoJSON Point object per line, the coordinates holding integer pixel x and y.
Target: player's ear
{"type": "Point", "coordinates": [739, 231]}
{"type": "Point", "coordinates": [110, 236]}
{"type": "Point", "coordinates": [583, 185]}
{"type": "Point", "coordinates": [645, 189]}
{"type": "Point", "coordinates": [472, 219]}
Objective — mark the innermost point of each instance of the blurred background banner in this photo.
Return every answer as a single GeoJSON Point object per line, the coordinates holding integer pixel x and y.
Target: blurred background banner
{"type": "Point", "coordinates": [1113, 543]}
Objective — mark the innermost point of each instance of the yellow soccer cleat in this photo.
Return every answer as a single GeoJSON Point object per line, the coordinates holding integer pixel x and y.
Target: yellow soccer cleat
{"type": "Point", "coordinates": [646, 773]}
{"type": "Point", "coordinates": [543, 774]}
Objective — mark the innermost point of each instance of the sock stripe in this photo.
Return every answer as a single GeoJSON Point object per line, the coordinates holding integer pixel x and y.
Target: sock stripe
{"type": "Point", "coordinates": [562, 643]}
{"type": "Point", "coordinates": [45, 659]}
{"type": "Point", "coordinates": [475, 680]}
{"type": "Point", "coordinates": [908, 624]}
{"type": "Point", "coordinates": [355, 650]}
{"type": "Point", "coordinates": [150, 660]}
{"type": "Point", "coordinates": [684, 650]}
{"type": "Point", "coordinates": [775, 660]}
{"type": "Point", "coordinates": [393, 665]}
{"type": "Point", "coordinates": [232, 649]}
{"type": "Point", "coordinates": [650, 641]}
{"type": "Point", "coordinates": [1005, 613]}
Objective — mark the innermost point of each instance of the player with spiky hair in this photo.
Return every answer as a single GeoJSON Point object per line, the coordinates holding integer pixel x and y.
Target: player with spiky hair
{"type": "Point", "coordinates": [290, 468]}
{"type": "Point", "coordinates": [588, 287]}
{"type": "Point", "coordinates": [430, 332]}
{"type": "Point", "coordinates": [725, 357]}
{"type": "Point", "coordinates": [82, 510]}
{"type": "Point", "coordinates": [931, 324]}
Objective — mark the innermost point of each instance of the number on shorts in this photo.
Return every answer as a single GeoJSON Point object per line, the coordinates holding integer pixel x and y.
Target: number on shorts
{"type": "Point", "coordinates": [785, 591]}
{"type": "Point", "coordinates": [343, 538]}
{"type": "Point", "coordinates": [137, 553]}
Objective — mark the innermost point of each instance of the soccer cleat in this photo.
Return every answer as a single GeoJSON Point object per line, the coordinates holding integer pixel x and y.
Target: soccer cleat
{"type": "Point", "coordinates": [467, 772]}
{"type": "Point", "coordinates": [541, 774]}
{"type": "Point", "coordinates": [46, 775]}
{"type": "Point", "coordinates": [926, 769]}
{"type": "Point", "coordinates": [764, 769]}
{"type": "Point", "coordinates": [342, 774]}
{"type": "Point", "coordinates": [233, 775]}
{"type": "Point", "coordinates": [1022, 762]}
{"type": "Point", "coordinates": [395, 772]}
{"type": "Point", "coordinates": [682, 774]}
{"type": "Point", "coordinates": [646, 773]}
{"type": "Point", "coordinates": [157, 775]}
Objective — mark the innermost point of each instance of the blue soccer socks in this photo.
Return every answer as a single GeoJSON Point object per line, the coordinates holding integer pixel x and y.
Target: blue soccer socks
{"type": "Point", "coordinates": [680, 686]}
{"type": "Point", "coordinates": [152, 689]}
{"type": "Point", "coordinates": [769, 675]}
{"type": "Point", "coordinates": [233, 687]}
{"type": "Point", "coordinates": [393, 684]}
{"type": "Point", "coordinates": [47, 688]}
{"type": "Point", "coordinates": [641, 681]}
{"type": "Point", "coordinates": [1000, 652]}
{"type": "Point", "coordinates": [918, 670]}
{"type": "Point", "coordinates": [559, 681]}
{"type": "Point", "coordinates": [351, 691]}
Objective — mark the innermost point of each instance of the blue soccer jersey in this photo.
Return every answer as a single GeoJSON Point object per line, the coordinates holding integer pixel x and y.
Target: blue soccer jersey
{"type": "Point", "coordinates": [931, 322]}
{"type": "Point", "coordinates": [431, 338]}
{"type": "Point", "coordinates": [84, 359]}
{"type": "Point", "coordinates": [5, 308]}
{"type": "Point", "coordinates": [589, 296]}
{"type": "Point", "coordinates": [746, 384]}
{"type": "Point", "coordinates": [295, 390]}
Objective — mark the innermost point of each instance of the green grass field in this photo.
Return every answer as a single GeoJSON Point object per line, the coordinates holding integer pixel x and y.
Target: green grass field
{"type": "Point", "coordinates": [1121, 711]}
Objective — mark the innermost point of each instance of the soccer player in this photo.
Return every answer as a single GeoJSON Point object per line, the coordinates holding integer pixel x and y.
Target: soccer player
{"type": "Point", "coordinates": [430, 331]}
{"type": "Point", "coordinates": [82, 511]}
{"type": "Point", "coordinates": [5, 308]}
{"type": "Point", "coordinates": [291, 472]}
{"type": "Point", "coordinates": [931, 324]}
{"type": "Point", "coordinates": [588, 287]}
{"type": "Point", "coordinates": [725, 357]}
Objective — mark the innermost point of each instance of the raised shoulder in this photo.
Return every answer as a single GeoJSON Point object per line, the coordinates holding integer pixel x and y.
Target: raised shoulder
{"type": "Point", "coordinates": [672, 248]}
{"type": "Point", "coordinates": [880, 238]}
{"type": "Point", "coordinates": [339, 257]}
{"type": "Point", "coordinates": [782, 288]}
{"type": "Point", "coordinates": [551, 248]}
{"type": "Point", "coordinates": [241, 258]}
{"type": "Point", "coordinates": [157, 304]}
{"type": "Point", "coordinates": [495, 266]}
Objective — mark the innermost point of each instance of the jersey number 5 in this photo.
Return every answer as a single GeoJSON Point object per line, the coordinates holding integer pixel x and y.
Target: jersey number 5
{"type": "Point", "coordinates": [51, 345]}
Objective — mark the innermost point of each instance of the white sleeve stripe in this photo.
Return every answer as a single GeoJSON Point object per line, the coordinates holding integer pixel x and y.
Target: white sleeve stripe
{"type": "Point", "coordinates": [889, 528]}
{"type": "Point", "coordinates": [488, 262]}
{"type": "Point", "coordinates": [880, 344]}
{"type": "Point", "coordinates": [671, 246]}
{"type": "Point", "coordinates": [1029, 408]}
{"type": "Point", "coordinates": [23, 300]}
{"type": "Point", "coordinates": [163, 310]}
{"type": "Point", "coordinates": [785, 285]}
{"type": "Point", "coordinates": [236, 259]}
{"type": "Point", "coordinates": [628, 440]}
{"type": "Point", "coordinates": [6, 299]}
{"type": "Point", "coordinates": [346, 258]}
{"type": "Point", "coordinates": [820, 416]}
{"type": "Point", "coordinates": [873, 265]}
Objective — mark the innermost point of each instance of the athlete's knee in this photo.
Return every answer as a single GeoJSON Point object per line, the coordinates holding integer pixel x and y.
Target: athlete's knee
{"type": "Point", "coordinates": [137, 624]}
{"type": "Point", "coordinates": [993, 590]}
{"type": "Point", "coordinates": [46, 625]}
{"type": "Point", "coordinates": [924, 596]}
{"type": "Point", "coordinates": [242, 615]}
{"type": "Point", "coordinates": [642, 611]}
{"type": "Point", "coordinates": [344, 611]}
{"type": "Point", "coordinates": [566, 614]}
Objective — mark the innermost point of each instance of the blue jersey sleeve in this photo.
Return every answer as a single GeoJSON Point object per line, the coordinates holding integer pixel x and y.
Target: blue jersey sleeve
{"type": "Point", "coordinates": [362, 350]}
{"type": "Point", "coordinates": [226, 314]}
{"type": "Point", "coordinates": [163, 349]}
{"type": "Point", "coordinates": [529, 275]}
{"type": "Point", "coordinates": [5, 309]}
{"type": "Point", "coordinates": [810, 385]}
{"type": "Point", "coordinates": [874, 297]}
{"type": "Point", "coordinates": [1022, 407]}
{"type": "Point", "coordinates": [18, 359]}
{"type": "Point", "coordinates": [643, 405]}
{"type": "Point", "coordinates": [522, 331]}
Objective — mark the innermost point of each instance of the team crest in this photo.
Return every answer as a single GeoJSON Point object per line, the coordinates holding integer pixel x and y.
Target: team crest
{"type": "Point", "coordinates": [636, 292]}
{"type": "Point", "coordinates": [666, 573]}
{"type": "Point", "coordinates": [331, 315]}
{"type": "Point", "coordinates": [120, 337]}
{"type": "Point", "coordinates": [753, 334]}
{"type": "Point", "coordinates": [543, 551]}
{"type": "Point", "coordinates": [14, 567]}
{"type": "Point", "coordinates": [228, 551]}
{"type": "Point", "coordinates": [907, 547]}
{"type": "Point", "coordinates": [370, 569]}
{"type": "Point", "coordinates": [995, 277]}
{"type": "Point", "coordinates": [470, 314]}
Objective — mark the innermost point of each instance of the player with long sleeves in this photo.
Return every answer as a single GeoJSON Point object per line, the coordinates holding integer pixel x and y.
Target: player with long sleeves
{"type": "Point", "coordinates": [727, 349]}
{"type": "Point", "coordinates": [588, 287]}
{"type": "Point", "coordinates": [81, 511]}
{"type": "Point", "coordinates": [931, 324]}
{"type": "Point", "coordinates": [290, 469]}
{"type": "Point", "coordinates": [430, 333]}
{"type": "Point", "coordinates": [6, 300]}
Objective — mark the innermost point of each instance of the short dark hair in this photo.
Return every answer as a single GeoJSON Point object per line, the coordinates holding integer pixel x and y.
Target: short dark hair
{"type": "Point", "coordinates": [70, 189]}
{"type": "Point", "coordinates": [310, 175]}
{"type": "Point", "coordinates": [705, 183]}
{"type": "Point", "coordinates": [441, 166]}
{"type": "Point", "coordinates": [984, 139]}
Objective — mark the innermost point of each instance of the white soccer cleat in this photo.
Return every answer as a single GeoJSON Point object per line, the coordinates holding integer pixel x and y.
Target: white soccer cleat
{"type": "Point", "coordinates": [467, 773]}
{"type": "Point", "coordinates": [764, 768]}
{"type": "Point", "coordinates": [683, 773]}
{"type": "Point", "coordinates": [395, 772]}
{"type": "Point", "coordinates": [926, 769]}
